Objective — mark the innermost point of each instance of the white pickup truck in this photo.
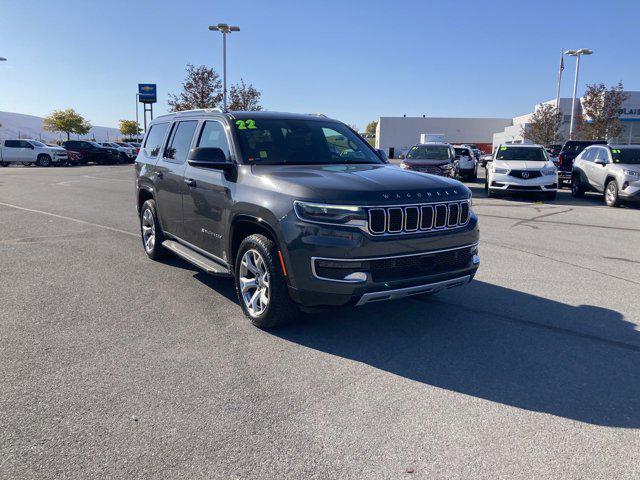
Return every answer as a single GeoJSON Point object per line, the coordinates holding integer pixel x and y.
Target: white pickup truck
{"type": "Point", "coordinates": [31, 151]}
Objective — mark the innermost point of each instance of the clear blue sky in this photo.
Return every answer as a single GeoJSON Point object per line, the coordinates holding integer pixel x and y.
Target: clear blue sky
{"type": "Point", "coordinates": [353, 60]}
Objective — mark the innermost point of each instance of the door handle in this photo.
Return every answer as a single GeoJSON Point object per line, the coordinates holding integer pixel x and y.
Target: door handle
{"type": "Point", "coordinates": [159, 174]}
{"type": "Point", "coordinates": [190, 181]}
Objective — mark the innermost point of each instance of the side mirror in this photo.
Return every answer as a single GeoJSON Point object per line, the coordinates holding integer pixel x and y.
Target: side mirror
{"type": "Point", "coordinates": [209, 157]}
{"type": "Point", "coordinates": [600, 161]}
{"type": "Point", "coordinates": [31, 147]}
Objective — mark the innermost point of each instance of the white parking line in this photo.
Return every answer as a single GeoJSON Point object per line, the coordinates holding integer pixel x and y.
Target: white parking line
{"type": "Point", "coordinates": [63, 217]}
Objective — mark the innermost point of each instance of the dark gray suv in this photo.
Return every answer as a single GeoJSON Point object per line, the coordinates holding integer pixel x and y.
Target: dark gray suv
{"type": "Point", "coordinates": [300, 210]}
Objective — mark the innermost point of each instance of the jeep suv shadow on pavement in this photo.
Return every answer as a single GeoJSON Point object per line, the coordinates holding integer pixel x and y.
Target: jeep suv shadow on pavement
{"type": "Point", "coordinates": [300, 210]}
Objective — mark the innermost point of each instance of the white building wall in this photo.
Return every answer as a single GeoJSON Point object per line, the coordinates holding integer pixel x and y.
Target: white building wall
{"type": "Point", "coordinates": [400, 133]}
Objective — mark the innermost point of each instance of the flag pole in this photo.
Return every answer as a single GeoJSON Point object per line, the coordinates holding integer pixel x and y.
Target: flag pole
{"type": "Point", "coordinates": [560, 69]}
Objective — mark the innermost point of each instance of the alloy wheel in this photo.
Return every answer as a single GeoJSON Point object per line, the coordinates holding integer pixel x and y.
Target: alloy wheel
{"type": "Point", "coordinates": [254, 282]}
{"type": "Point", "coordinates": [148, 230]}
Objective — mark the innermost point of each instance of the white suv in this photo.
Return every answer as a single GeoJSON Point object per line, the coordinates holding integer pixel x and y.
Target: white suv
{"type": "Point", "coordinates": [521, 169]}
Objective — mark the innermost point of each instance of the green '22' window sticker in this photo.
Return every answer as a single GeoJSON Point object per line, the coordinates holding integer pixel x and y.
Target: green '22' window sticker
{"type": "Point", "coordinates": [246, 124]}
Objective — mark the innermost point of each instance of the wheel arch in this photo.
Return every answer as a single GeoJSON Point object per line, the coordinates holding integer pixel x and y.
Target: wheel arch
{"type": "Point", "coordinates": [144, 193]}
{"type": "Point", "coordinates": [244, 225]}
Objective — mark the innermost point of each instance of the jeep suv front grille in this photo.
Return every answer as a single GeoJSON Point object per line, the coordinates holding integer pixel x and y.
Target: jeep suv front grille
{"type": "Point", "coordinates": [418, 218]}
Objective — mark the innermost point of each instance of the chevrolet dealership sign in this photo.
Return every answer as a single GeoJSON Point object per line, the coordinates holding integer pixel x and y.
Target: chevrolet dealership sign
{"type": "Point", "coordinates": [147, 92]}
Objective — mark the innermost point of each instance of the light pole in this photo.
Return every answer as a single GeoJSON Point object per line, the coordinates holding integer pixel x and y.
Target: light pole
{"type": "Point", "coordinates": [225, 29]}
{"type": "Point", "coordinates": [577, 54]}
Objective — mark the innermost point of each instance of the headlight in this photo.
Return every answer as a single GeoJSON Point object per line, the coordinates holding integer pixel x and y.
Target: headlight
{"type": "Point", "coordinates": [404, 165]}
{"type": "Point", "coordinates": [631, 173]}
{"type": "Point", "coordinates": [495, 169]}
{"type": "Point", "coordinates": [448, 166]}
{"type": "Point", "coordinates": [548, 171]}
{"type": "Point", "coordinates": [334, 214]}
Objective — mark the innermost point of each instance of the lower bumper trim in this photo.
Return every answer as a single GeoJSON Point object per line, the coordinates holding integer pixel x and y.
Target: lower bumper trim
{"type": "Point", "coordinates": [416, 290]}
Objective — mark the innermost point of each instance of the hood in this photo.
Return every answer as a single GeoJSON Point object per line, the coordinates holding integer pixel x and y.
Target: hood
{"type": "Point", "coordinates": [360, 184]}
{"type": "Point", "coordinates": [634, 167]}
{"type": "Point", "coordinates": [57, 149]}
{"type": "Point", "coordinates": [522, 164]}
{"type": "Point", "coordinates": [425, 163]}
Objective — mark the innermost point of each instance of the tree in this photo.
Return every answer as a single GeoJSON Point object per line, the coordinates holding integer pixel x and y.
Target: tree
{"type": "Point", "coordinates": [201, 89]}
{"type": "Point", "coordinates": [544, 127]}
{"type": "Point", "coordinates": [600, 118]}
{"type": "Point", "coordinates": [67, 121]}
{"type": "Point", "coordinates": [371, 127]}
{"type": "Point", "coordinates": [244, 97]}
{"type": "Point", "coordinates": [130, 128]}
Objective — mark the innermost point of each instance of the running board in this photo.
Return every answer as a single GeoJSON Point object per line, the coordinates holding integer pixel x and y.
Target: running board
{"type": "Point", "coordinates": [195, 258]}
{"type": "Point", "coordinates": [417, 290]}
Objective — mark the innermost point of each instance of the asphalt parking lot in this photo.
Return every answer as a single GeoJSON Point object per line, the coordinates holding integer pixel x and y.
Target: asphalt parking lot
{"type": "Point", "coordinates": [116, 366]}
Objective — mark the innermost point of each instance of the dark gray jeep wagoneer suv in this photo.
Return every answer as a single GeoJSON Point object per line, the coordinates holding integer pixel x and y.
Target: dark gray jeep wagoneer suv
{"type": "Point", "coordinates": [300, 210]}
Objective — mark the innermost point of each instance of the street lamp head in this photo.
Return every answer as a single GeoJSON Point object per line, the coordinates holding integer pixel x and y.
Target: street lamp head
{"type": "Point", "coordinates": [224, 28]}
{"type": "Point", "coordinates": [2, 59]}
{"type": "Point", "coordinates": [571, 52]}
{"type": "Point", "coordinates": [585, 51]}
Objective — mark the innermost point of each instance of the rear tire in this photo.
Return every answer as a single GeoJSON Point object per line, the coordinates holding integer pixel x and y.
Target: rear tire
{"type": "Point", "coordinates": [261, 285]}
{"type": "Point", "coordinates": [150, 231]}
{"type": "Point", "coordinates": [576, 189]}
{"type": "Point", "coordinates": [611, 197]}
{"type": "Point", "coordinates": [4, 164]}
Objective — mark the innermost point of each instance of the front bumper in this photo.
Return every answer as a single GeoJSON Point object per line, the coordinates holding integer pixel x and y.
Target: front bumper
{"type": "Point", "coordinates": [306, 244]}
{"type": "Point", "coordinates": [507, 183]}
{"type": "Point", "coordinates": [630, 190]}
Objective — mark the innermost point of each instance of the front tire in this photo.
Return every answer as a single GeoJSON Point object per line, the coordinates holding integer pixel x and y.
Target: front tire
{"type": "Point", "coordinates": [261, 285]}
{"type": "Point", "coordinates": [150, 231]}
{"type": "Point", "coordinates": [611, 197]}
{"type": "Point", "coordinates": [4, 164]}
{"type": "Point", "coordinates": [43, 161]}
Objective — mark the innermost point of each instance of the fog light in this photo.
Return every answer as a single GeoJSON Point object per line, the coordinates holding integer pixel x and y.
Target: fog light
{"type": "Point", "coordinates": [356, 277]}
{"type": "Point", "coordinates": [476, 259]}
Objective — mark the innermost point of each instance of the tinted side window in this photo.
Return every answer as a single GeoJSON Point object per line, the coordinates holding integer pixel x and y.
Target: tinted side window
{"type": "Point", "coordinates": [12, 143]}
{"type": "Point", "coordinates": [153, 142]}
{"type": "Point", "coordinates": [25, 144]}
{"type": "Point", "coordinates": [181, 137]}
{"type": "Point", "coordinates": [587, 155]}
{"type": "Point", "coordinates": [214, 136]}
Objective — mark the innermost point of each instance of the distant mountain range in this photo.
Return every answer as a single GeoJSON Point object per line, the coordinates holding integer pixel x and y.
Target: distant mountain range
{"type": "Point", "coordinates": [18, 125]}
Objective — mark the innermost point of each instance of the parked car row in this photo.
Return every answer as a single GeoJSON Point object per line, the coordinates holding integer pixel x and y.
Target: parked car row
{"type": "Point", "coordinates": [613, 170]}
{"type": "Point", "coordinates": [72, 152]}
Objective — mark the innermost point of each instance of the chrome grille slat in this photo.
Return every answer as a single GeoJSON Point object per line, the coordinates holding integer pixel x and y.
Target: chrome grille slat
{"type": "Point", "coordinates": [419, 218]}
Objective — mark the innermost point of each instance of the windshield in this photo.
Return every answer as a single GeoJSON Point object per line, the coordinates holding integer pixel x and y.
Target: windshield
{"type": "Point", "coordinates": [522, 153]}
{"type": "Point", "coordinates": [275, 141]}
{"type": "Point", "coordinates": [95, 144]}
{"type": "Point", "coordinates": [36, 143]}
{"type": "Point", "coordinates": [463, 152]}
{"type": "Point", "coordinates": [630, 156]}
{"type": "Point", "coordinates": [429, 152]}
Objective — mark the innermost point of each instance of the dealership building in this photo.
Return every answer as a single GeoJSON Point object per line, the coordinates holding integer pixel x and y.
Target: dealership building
{"type": "Point", "coordinates": [629, 115]}
{"type": "Point", "coordinates": [396, 135]}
